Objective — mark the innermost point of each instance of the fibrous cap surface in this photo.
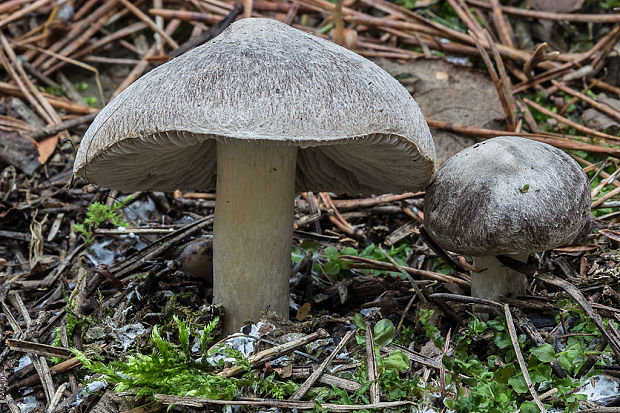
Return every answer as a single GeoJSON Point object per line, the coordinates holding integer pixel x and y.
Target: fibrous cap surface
{"type": "Point", "coordinates": [507, 195]}
{"type": "Point", "coordinates": [358, 129]}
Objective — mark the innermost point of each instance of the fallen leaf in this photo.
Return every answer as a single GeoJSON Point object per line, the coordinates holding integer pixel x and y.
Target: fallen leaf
{"type": "Point", "coordinates": [303, 312]}
{"type": "Point", "coordinates": [557, 6]}
{"type": "Point", "coordinates": [284, 372]}
{"type": "Point", "coordinates": [450, 93]}
{"type": "Point", "coordinates": [19, 151]}
{"type": "Point", "coordinates": [600, 121]}
{"type": "Point", "coordinates": [46, 148]}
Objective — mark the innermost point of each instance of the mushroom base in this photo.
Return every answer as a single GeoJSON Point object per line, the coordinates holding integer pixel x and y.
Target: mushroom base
{"type": "Point", "coordinates": [253, 230]}
{"type": "Point", "coordinates": [496, 280]}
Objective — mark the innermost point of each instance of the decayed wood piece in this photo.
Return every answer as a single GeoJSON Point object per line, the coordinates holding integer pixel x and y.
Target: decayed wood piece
{"type": "Point", "coordinates": [283, 404]}
{"type": "Point", "coordinates": [372, 373]}
{"type": "Point", "coordinates": [38, 348]}
{"type": "Point", "coordinates": [54, 370]}
{"type": "Point", "coordinates": [328, 379]}
{"type": "Point", "coordinates": [303, 389]}
{"type": "Point", "coordinates": [273, 353]}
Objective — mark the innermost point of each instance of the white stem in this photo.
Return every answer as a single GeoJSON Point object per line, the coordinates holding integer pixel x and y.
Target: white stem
{"type": "Point", "coordinates": [253, 230]}
{"type": "Point", "coordinates": [497, 279]}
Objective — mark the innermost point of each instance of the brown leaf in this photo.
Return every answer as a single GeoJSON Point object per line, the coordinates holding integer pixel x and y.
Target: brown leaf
{"type": "Point", "coordinates": [450, 93]}
{"type": "Point", "coordinates": [46, 148]}
{"type": "Point", "coordinates": [557, 6]}
{"type": "Point", "coordinates": [599, 121]}
{"type": "Point", "coordinates": [303, 312]}
{"type": "Point", "coordinates": [284, 372]}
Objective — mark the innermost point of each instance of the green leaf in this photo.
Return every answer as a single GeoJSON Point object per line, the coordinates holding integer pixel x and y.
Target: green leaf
{"type": "Point", "coordinates": [518, 383]}
{"type": "Point", "coordinates": [183, 336]}
{"type": "Point", "coordinates": [331, 268]}
{"type": "Point", "coordinates": [384, 332]}
{"type": "Point", "coordinates": [359, 322]}
{"type": "Point", "coordinates": [331, 252]}
{"type": "Point", "coordinates": [502, 341]}
{"type": "Point", "coordinates": [396, 361]}
{"type": "Point", "coordinates": [541, 374]}
{"type": "Point", "coordinates": [496, 324]}
{"type": "Point", "coordinates": [528, 407]}
{"type": "Point", "coordinates": [477, 326]}
{"type": "Point", "coordinates": [565, 362]}
{"type": "Point", "coordinates": [348, 251]}
{"type": "Point", "coordinates": [503, 374]}
{"type": "Point", "coordinates": [544, 353]}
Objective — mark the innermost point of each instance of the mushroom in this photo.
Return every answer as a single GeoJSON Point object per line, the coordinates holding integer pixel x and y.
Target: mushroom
{"type": "Point", "coordinates": [196, 259]}
{"type": "Point", "coordinates": [284, 111]}
{"type": "Point", "coordinates": [505, 196]}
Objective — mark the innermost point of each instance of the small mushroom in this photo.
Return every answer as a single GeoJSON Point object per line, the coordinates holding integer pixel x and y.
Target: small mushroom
{"type": "Point", "coordinates": [505, 196]}
{"type": "Point", "coordinates": [284, 111]}
{"type": "Point", "coordinates": [196, 259]}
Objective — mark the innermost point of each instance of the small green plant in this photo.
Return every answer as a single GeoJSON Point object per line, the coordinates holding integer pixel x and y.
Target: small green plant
{"type": "Point", "coordinates": [331, 264]}
{"type": "Point", "coordinates": [90, 101]}
{"type": "Point", "coordinates": [408, 4]}
{"type": "Point", "coordinates": [609, 4]}
{"type": "Point", "coordinates": [53, 90]}
{"type": "Point", "coordinates": [431, 331]}
{"type": "Point", "coordinates": [174, 368]}
{"type": "Point", "coordinates": [390, 366]}
{"type": "Point", "coordinates": [81, 86]}
{"type": "Point", "coordinates": [97, 215]}
{"type": "Point", "coordinates": [492, 382]}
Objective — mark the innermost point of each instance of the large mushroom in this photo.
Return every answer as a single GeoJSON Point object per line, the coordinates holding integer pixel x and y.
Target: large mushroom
{"type": "Point", "coordinates": [284, 111]}
{"type": "Point", "coordinates": [505, 196]}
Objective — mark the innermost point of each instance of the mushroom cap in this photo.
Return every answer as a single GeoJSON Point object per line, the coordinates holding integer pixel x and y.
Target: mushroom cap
{"type": "Point", "coordinates": [506, 195]}
{"type": "Point", "coordinates": [358, 130]}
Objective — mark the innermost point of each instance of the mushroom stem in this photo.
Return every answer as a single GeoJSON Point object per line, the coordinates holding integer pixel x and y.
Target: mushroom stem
{"type": "Point", "coordinates": [253, 230]}
{"type": "Point", "coordinates": [497, 279]}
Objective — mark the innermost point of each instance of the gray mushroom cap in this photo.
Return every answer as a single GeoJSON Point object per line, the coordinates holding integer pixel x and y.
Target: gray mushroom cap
{"type": "Point", "coordinates": [358, 129]}
{"type": "Point", "coordinates": [507, 195]}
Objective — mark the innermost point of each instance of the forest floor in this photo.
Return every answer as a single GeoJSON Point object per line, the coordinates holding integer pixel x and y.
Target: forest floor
{"type": "Point", "coordinates": [100, 310]}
